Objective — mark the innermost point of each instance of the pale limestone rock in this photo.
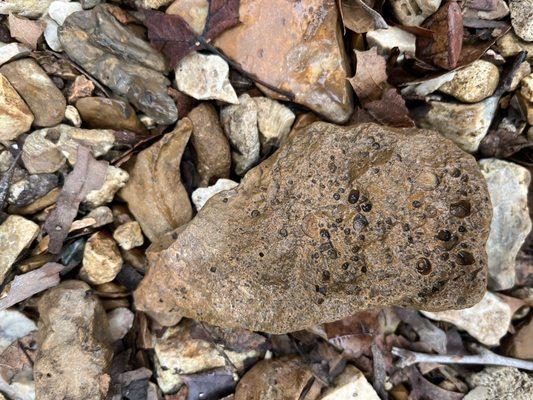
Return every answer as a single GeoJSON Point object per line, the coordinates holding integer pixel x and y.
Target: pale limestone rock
{"type": "Point", "coordinates": [60, 10]}
{"type": "Point", "coordinates": [50, 34]}
{"type": "Point", "coordinates": [15, 116]}
{"type": "Point", "coordinates": [508, 184]}
{"type": "Point", "coordinates": [240, 124]}
{"type": "Point", "coordinates": [351, 384]}
{"type": "Point", "coordinates": [73, 116]}
{"type": "Point", "coordinates": [487, 321]}
{"type": "Point", "coordinates": [13, 51]}
{"type": "Point", "coordinates": [120, 322]}
{"type": "Point", "coordinates": [510, 45]}
{"type": "Point", "coordinates": [152, 3]}
{"type": "Point", "coordinates": [414, 12]}
{"type": "Point", "coordinates": [25, 8]}
{"type": "Point", "coordinates": [274, 121]}
{"type": "Point", "coordinates": [205, 77]}
{"type": "Point", "coordinates": [101, 259]}
{"type": "Point", "coordinates": [500, 383]}
{"type": "Point", "coordinates": [102, 215]}
{"type": "Point", "coordinates": [115, 180]}
{"type": "Point", "coordinates": [100, 141]}
{"type": "Point", "coordinates": [13, 326]}
{"type": "Point", "coordinates": [522, 18]}
{"type": "Point", "coordinates": [474, 83]}
{"type": "Point", "coordinates": [386, 39]}
{"type": "Point", "coordinates": [16, 234]}
{"type": "Point", "coordinates": [465, 124]}
{"type": "Point", "coordinates": [129, 235]}
{"type": "Point", "coordinates": [201, 195]}
{"type": "Point", "coordinates": [193, 11]}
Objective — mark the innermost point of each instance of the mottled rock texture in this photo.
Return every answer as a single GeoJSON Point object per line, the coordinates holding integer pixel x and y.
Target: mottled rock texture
{"type": "Point", "coordinates": [337, 220]}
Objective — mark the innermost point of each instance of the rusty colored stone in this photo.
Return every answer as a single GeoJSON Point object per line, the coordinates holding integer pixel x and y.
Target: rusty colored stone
{"type": "Point", "coordinates": [295, 46]}
{"type": "Point", "coordinates": [339, 219]}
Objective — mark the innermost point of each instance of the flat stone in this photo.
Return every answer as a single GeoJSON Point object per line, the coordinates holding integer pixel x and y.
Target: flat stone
{"type": "Point", "coordinates": [13, 326]}
{"type": "Point", "coordinates": [473, 83]}
{"type": "Point", "coordinates": [464, 124]}
{"type": "Point", "coordinates": [115, 180]}
{"type": "Point", "coordinates": [102, 113]}
{"type": "Point", "coordinates": [522, 18]}
{"type": "Point", "coordinates": [51, 35]}
{"type": "Point", "coordinates": [101, 259]}
{"type": "Point", "coordinates": [201, 195]}
{"type": "Point", "coordinates": [487, 321]}
{"type": "Point", "coordinates": [213, 157]}
{"type": "Point", "coordinates": [129, 235]}
{"type": "Point", "coordinates": [193, 11]}
{"type": "Point", "coordinates": [264, 257]}
{"type": "Point", "coordinates": [240, 124]}
{"type": "Point", "coordinates": [205, 77]}
{"type": "Point", "coordinates": [500, 383]}
{"type": "Point", "coordinates": [155, 170]}
{"type": "Point", "coordinates": [25, 8]}
{"type": "Point", "coordinates": [16, 234]}
{"type": "Point", "coordinates": [81, 87]}
{"type": "Point", "coordinates": [297, 47]}
{"type": "Point", "coordinates": [73, 330]}
{"type": "Point", "coordinates": [508, 184]}
{"type": "Point", "coordinates": [31, 188]}
{"type": "Point", "coordinates": [13, 51]}
{"type": "Point", "coordinates": [119, 59]}
{"type": "Point", "coordinates": [120, 323]}
{"type": "Point", "coordinates": [15, 116]}
{"type": "Point", "coordinates": [351, 384]}
{"type": "Point", "coordinates": [386, 39]}
{"type": "Point", "coordinates": [73, 116]}
{"type": "Point", "coordinates": [44, 99]}
{"type": "Point", "coordinates": [60, 10]}
{"type": "Point", "coordinates": [414, 12]}
{"type": "Point", "coordinates": [274, 121]}
{"type": "Point", "coordinates": [26, 31]}
{"type": "Point", "coordinates": [510, 45]}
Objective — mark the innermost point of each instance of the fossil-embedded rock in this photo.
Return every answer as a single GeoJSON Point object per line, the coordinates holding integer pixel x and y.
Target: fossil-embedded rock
{"type": "Point", "coordinates": [119, 59]}
{"type": "Point", "coordinates": [15, 116]}
{"type": "Point", "coordinates": [507, 183]}
{"type": "Point", "coordinates": [295, 46]}
{"type": "Point", "coordinates": [201, 195]}
{"type": "Point", "coordinates": [337, 220]}
{"type": "Point", "coordinates": [473, 83]}
{"type": "Point", "coordinates": [74, 352]}
{"type": "Point", "coordinates": [42, 96]}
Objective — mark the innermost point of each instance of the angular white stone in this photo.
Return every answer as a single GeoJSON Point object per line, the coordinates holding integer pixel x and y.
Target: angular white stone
{"type": "Point", "coordinates": [487, 321]}
{"type": "Point", "coordinates": [351, 384]}
{"type": "Point", "coordinates": [508, 184]}
{"type": "Point", "coordinates": [115, 180]}
{"type": "Point", "coordinates": [274, 121]}
{"type": "Point", "coordinates": [50, 34]}
{"type": "Point", "coordinates": [60, 10]}
{"type": "Point", "coordinates": [201, 195]}
{"type": "Point", "coordinates": [120, 323]}
{"type": "Point", "coordinates": [205, 77]}
{"type": "Point", "coordinates": [13, 51]}
{"type": "Point", "coordinates": [13, 326]}
{"type": "Point", "coordinates": [386, 39]}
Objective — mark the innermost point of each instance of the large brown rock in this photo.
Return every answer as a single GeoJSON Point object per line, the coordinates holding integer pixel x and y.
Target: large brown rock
{"type": "Point", "coordinates": [339, 219]}
{"type": "Point", "coordinates": [296, 46]}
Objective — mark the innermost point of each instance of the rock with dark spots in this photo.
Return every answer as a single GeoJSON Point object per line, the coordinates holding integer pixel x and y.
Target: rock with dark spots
{"type": "Point", "coordinates": [74, 351]}
{"type": "Point", "coordinates": [31, 188]}
{"type": "Point", "coordinates": [119, 59]}
{"type": "Point", "coordinates": [295, 46]}
{"type": "Point", "coordinates": [102, 113]}
{"type": "Point", "coordinates": [337, 220]}
{"type": "Point", "coordinates": [42, 96]}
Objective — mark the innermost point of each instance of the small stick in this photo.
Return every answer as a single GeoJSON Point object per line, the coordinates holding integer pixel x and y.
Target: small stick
{"type": "Point", "coordinates": [408, 358]}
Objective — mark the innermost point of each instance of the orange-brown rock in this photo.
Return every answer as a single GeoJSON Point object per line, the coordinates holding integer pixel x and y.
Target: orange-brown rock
{"type": "Point", "coordinates": [339, 219]}
{"type": "Point", "coordinates": [295, 46]}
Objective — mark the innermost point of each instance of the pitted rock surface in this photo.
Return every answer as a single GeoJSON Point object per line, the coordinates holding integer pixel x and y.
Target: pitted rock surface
{"type": "Point", "coordinates": [339, 219]}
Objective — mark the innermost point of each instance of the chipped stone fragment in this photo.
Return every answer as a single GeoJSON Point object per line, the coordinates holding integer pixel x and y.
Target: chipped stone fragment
{"type": "Point", "coordinates": [102, 215]}
{"type": "Point", "coordinates": [115, 180]}
{"type": "Point", "coordinates": [73, 116]}
{"type": "Point", "coordinates": [193, 11]}
{"type": "Point", "coordinates": [201, 195]}
{"type": "Point", "coordinates": [15, 116]}
{"type": "Point", "coordinates": [13, 51]}
{"type": "Point", "coordinates": [81, 87]}
{"type": "Point", "coordinates": [129, 235]}
{"type": "Point", "coordinates": [522, 18]}
{"type": "Point", "coordinates": [386, 39]}
{"type": "Point", "coordinates": [274, 121]}
{"type": "Point", "coordinates": [101, 259]}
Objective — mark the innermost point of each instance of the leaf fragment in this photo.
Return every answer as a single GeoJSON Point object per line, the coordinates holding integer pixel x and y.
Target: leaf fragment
{"type": "Point", "coordinates": [370, 74]}
{"type": "Point", "coordinates": [390, 110]}
{"type": "Point", "coordinates": [359, 16]}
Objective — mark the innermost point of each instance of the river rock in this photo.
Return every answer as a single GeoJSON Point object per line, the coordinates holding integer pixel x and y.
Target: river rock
{"type": "Point", "coordinates": [465, 124]}
{"type": "Point", "coordinates": [15, 116]}
{"type": "Point", "coordinates": [473, 83]}
{"type": "Point", "coordinates": [16, 234]}
{"type": "Point", "coordinates": [25, 8]}
{"type": "Point", "coordinates": [510, 45]}
{"type": "Point", "coordinates": [115, 180]}
{"type": "Point", "coordinates": [201, 195]}
{"type": "Point", "coordinates": [31, 188]}
{"type": "Point", "coordinates": [44, 99]}
{"type": "Point", "coordinates": [119, 59]}
{"type": "Point", "coordinates": [508, 184]}
{"type": "Point", "coordinates": [155, 170]}
{"type": "Point", "coordinates": [101, 259]}
{"type": "Point", "coordinates": [522, 18]}
{"type": "Point", "coordinates": [73, 331]}
{"type": "Point", "coordinates": [295, 46]}
{"type": "Point", "coordinates": [60, 10]}
{"type": "Point", "coordinates": [240, 124]}
{"type": "Point", "coordinates": [213, 158]}
{"type": "Point", "coordinates": [351, 384]}
{"type": "Point", "coordinates": [13, 51]}
{"type": "Point", "coordinates": [500, 383]}
{"type": "Point", "coordinates": [337, 220]}
{"type": "Point", "coordinates": [102, 113]}
{"type": "Point", "coordinates": [487, 321]}
{"type": "Point", "coordinates": [129, 235]}
{"type": "Point", "coordinates": [274, 121]}
{"type": "Point", "coordinates": [414, 12]}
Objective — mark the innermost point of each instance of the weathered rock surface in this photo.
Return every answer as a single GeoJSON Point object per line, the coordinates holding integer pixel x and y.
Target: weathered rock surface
{"type": "Point", "coordinates": [42, 96]}
{"type": "Point", "coordinates": [473, 83]}
{"type": "Point", "coordinates": [414, 12]}
{"type": "Point", "coordinates": [525, 97]}
{"type": "Point", "coordinates": [465, 124]}
{"type": "Point", "coordinates": [201, 195]}
{"type": "Point", "coordinates": [295, 46]}
{"type": "Point", "coordinates": [487, 321]}
{"type": "Point", "coordinates": [155, 170]}
{"type": "Point", "coordinates": [119, 59]}
{"type": "Point", "coordinates": [274, 121]}
{"type": "Point", "coordinates": [102, 113]}
{"type": "Point", "coordinates": [500, 383]}
{"type": "Point", "coordinates": [74, 352]}
{"type": "Point", "coordinates": [16, 234]}
{"type": "Point", "coordinates": [25, 8]}
{"type": "Point", "coordinates": [338, 219]}
{"type": "Point", "coordinates": [351, 384]}
{"type": "Point", "coordinates": [213, 158]}
{"type": "Point", "coordinates": [12, 51]}
{"type": "Point", "coordinates": [115, 180]}
{"type": "Point", "coordinates": [522, 18]}
{"type": "Point", "coordinates": [510, 45]}
{"type": "Point", "coordinates": [498, 9]}
{"type": "Point", "coordinates": [101, 259]}
{"type": "Point", "coordinates": [15, 116]}
{"type": "Point", "coordinates": [129, 235]}
{"type": "Point", "coordinates": [508, 184]}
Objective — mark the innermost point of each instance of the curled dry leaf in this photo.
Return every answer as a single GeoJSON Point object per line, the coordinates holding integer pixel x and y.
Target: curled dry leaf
{"type": "Point", "coordinates": [370, 74]}
{"type": "Point", "coordinates": [502, 143]}
{"type": "Point", "coordinates": [88, 174]}
{"type": "Point", "coordinates": [390, 110]}
{"type": "Point", "coordinates": [359, 16]}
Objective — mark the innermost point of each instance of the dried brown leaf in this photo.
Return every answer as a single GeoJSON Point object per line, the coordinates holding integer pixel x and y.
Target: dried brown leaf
{"type": "Point", "coordinates": [435, 338]}
{"type": "Point", "coordinates": [359, 16]}
{"type": "Point", "coordinates": [421, 388]}
{"type": "Point", "coordinates": [502, 143]}
{"type": "Point", "coordinates": [390, 110]}
{"type": "Point", "coordinates": [25, 30]}
{"type": "Point", "coordinates": [370, 74]}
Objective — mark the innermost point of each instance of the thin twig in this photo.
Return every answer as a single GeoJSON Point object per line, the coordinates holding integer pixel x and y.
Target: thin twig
{"type": "Point", "coordinates": [408, 358]}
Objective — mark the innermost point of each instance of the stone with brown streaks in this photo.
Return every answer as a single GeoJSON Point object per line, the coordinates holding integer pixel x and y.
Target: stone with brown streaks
{"type": "Point", "coordinates": [339, 219]}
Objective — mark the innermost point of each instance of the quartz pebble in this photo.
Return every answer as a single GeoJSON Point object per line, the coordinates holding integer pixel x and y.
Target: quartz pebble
{"type": "Point", "coordinates": [15, 116]}
{"type": "Point", "coordinates": [414, 12]}
{"type": "Point", "coordinates": [522, 18]}
{"type": "Point", "coordinates": [129, 235]}
{"type": "Point", "coordinates": [473, 83]}
{"type": "Point", "coordinates": [115, 180]}
{"type": "Point", "coordinates": [508, 184]}
{"type": "Point", "coordinates": [201, 195]}
{"type": "Point", "coordinates": [101, 259]}
{"type": "Point", "coordinates": [120, 322]}
{"type": "Point", "coordinates": [60, 10]}
{"type": "Point", "coordinates": [50, 34]}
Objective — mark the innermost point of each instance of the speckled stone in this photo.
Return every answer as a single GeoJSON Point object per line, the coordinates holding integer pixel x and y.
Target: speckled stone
{"type": "Point", "coordinates": [473, 83]}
